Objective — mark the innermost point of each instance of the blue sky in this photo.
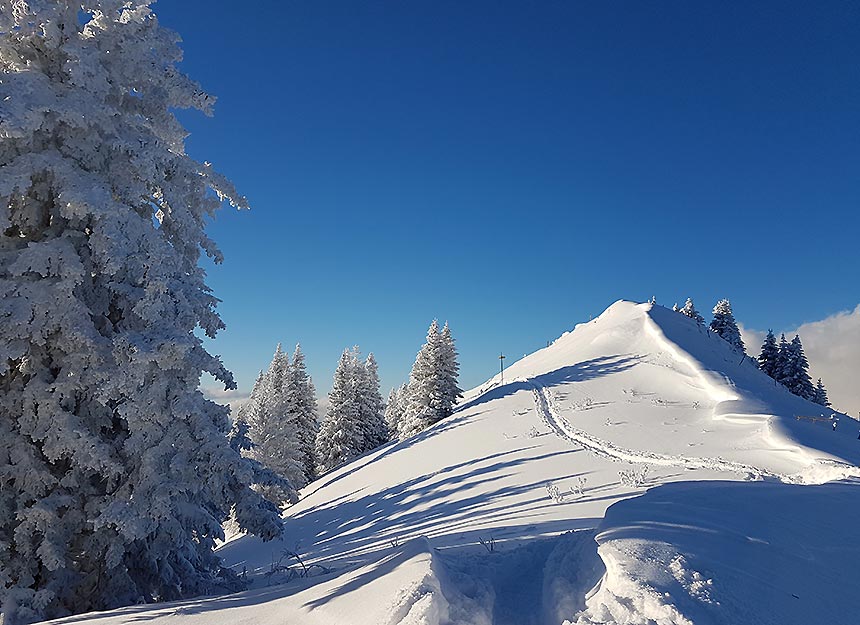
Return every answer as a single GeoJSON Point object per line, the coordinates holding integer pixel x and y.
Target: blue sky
{"type": "Point", "coordinates": [516, 167]}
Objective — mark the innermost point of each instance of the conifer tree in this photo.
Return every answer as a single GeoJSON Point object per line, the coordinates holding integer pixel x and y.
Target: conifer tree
{"type": "Point", "coordinates": [690, 311]}
{"type": "Point", "coordinates": [340, 437]}
{"type": "Point", "coordinates": [432, 390]}
{"type": "Point", "coordinates": [781, 368]}
{"type": "Point", "coordinates": [117, 471]}
{"type": "Point", "coordinates": [424, 395]}
{"type": "Point", "coordinates": [724, 325]}
{"type": "Point", "coordinates": [374, 430]}
{"type": "Point", "coordinates": [819, 395]}
{"type": "Point", "coordinates": [450, 371]}
{"type": "Point", "coordinates": [394, 408]}
{"type": "Point", "coordinates": [273, 423]}
{"type": "Point", "coordinates": [796, 372]}
{"type": "Point", "coordinates": [769, 356]}
{"type": "Point", "coordinates": [301, 400]}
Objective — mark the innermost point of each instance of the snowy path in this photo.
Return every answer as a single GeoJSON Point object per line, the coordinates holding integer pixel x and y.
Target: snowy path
{"type": "Point", "coordinates": [561, 426]}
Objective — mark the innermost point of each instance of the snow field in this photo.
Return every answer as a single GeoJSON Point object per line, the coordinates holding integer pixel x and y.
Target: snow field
{"type": "Point", "coordinates": [687, 460]}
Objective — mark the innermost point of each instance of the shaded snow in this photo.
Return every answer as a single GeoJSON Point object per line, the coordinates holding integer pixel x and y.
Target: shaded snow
{"type": "Point", "coordinates": [730, 552]}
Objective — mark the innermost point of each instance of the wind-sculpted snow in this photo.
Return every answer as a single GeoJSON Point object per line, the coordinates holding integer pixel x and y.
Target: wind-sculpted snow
{"type": "Point", "coordinates": [724, 553]}
{"type": "Point", "coordinates": [509, 490]}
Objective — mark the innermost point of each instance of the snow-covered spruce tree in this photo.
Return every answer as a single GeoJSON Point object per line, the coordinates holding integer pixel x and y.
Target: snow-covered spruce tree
{"type": "Point", "coordinates": [432, 390]}
{"type": "Point", "coordinates": [340, 438]}
{"type": "Point", "coordinates": [274, 428]}
{"type": "Point", "coordinates": [819, 395]}
{"type": "Point", "coordinates": [302, 402]}
{"type": "Point", "coordinates": [690, 311]}
{"type": "Point", "coordinates": [371, 416]}
{"type": "Point", "coordinates": [394, 409]}
{"type": "Point", "coordinates": [424, 391]}
{"type": "Point", "coordinates": [115, 471]}
{"type": "Point", "coordinates": [768, 358]}
{"type": "Point", "coordinates": [795, 375]}
{"type": "Point", "coordinates": [450, 367]}
{"type": "Point", "coordinates": [781, 366]}
{"type": "Point", "coordinates": [724, 325]}
{"type": "Point", "coordinates": [263, 478]}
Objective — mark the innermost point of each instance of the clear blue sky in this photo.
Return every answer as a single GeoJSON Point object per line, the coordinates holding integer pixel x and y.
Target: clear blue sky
{"type": "Point", "coordinates": [515, 167]}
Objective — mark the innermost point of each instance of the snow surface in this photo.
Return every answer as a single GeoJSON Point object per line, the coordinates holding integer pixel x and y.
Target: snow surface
{"type": "Point", "coordinates": [637, 470]}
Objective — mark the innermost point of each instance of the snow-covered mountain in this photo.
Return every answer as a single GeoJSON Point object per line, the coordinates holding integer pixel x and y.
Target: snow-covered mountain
{"type": "Point", "coordinates": [637, 470]}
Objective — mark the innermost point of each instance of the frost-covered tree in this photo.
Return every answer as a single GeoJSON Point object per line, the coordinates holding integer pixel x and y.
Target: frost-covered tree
{"type": "Point", "coordinates": [724, 325]}
{"type": "Point", "coordinates": [302, 402]}
{"type": "Point", "coordinates": [675, 307]}
{"type": "Point", "coordinates": [795, 372]}
{"type": "Point", "coordinates": [690, 311]}
{"type": "Point", "coordinates": [769, 356]}
{"type": "Point", "coordinates": [273, 423]}
{"type": "Point", "coordinates": [394, 408]}
{"type": "Point", "coordinates": [340, 438]}
{"type": "Point", "coordinates": [116, 471]}
{"type": "Point", "coordinates": [450, 371]}
{"type": "Point", "coordinates": [424, 394]}
{"type": "Point", "coordinates": [819, 395]}
{"type": "Point", "coordinates": [432, 390]}
{"type": "Point", "coordinates": [781, 366]}
{"type": "Point", "coordinates": [371, 415]}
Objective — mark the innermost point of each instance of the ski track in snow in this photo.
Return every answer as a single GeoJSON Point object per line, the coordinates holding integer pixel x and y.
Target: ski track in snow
{"type": "Point", "coordinates": [561, 426]}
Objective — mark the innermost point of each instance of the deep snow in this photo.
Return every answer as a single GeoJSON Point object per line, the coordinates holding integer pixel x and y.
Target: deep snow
{"type": "Point", "coordinates": [490, 516]}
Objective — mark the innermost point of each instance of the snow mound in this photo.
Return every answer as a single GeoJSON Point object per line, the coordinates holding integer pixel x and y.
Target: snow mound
{"type": "Point", "coordinates": [729, 552]}
{"type": "Point", "coordinates": [407, 586]}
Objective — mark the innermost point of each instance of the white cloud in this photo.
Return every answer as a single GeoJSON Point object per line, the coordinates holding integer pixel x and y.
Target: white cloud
{"type": "Point", "coordinates": [832, 346]}
{"type": "Point", "coordinates": [232, 398]}
{"type": "Point", "coordinates": [752, 339]}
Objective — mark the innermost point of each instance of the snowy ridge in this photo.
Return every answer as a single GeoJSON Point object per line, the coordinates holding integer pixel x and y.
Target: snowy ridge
{"type": "Point", "coordinates": [519, 508]}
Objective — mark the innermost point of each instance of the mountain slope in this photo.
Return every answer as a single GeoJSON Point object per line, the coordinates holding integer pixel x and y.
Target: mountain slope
{"type": "Point", "coordinates": [630, 402]}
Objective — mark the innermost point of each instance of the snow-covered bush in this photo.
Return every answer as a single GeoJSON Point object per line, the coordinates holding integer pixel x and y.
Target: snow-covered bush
{"type": "Point", "coordinates": [555, 493]}
{"type": "Point", "coordinates": [634, 477]}
{"type": "Point", "coordinates": [116, 471]}
{"type": "Point", "coordinates": [689, 310]}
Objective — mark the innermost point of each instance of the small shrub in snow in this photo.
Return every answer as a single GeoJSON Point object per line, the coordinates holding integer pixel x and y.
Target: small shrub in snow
{"type": "Point", "coordinates": [578, 487]}
{"type": "Point", "coordinates": [558, 495]}
{"type": "Point", "coordinates": [488, 544]}
{"type": "Point", "coordinates": [554, 492]}
{"type": "Point", "coordinates": [533, 432]}
{"type": "Point", "coordinates": [298, 569]}
{"type": "Point", "coordinates": [634, 477]}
